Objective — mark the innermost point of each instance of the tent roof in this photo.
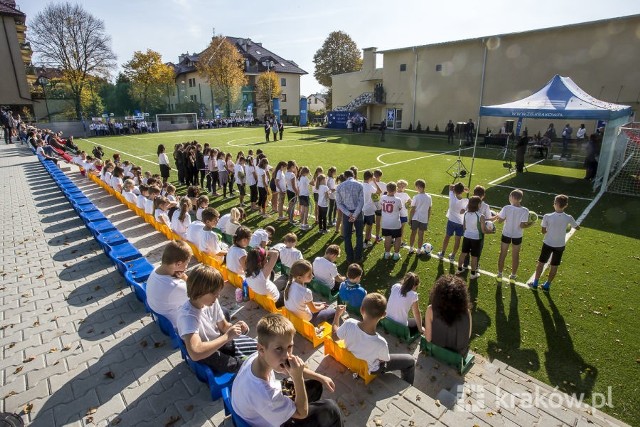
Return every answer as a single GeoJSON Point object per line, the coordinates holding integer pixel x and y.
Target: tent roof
{"type": "Point", "coordinates": [560, 98]}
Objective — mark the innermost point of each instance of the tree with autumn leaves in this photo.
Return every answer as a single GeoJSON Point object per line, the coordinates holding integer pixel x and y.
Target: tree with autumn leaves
{"type": "Point", "coordinates": [149, 78]}
{"type": "Point", "coordinates": [338, 54]}
{"type": "Point", "coordinates": [223, 67]}
{"type": "Point", "coordinates": [267, 88]}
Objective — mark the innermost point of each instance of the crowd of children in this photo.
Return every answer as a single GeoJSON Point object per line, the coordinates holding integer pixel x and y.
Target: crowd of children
{"type": "Point", "coordinates": [190, 303]}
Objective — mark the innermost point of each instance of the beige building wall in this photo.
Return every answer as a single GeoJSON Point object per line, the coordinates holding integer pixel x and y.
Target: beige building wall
{"type": "Point", "coordinates": [14, 89]}
{"type": "Point", "coordinates": [602, 57]}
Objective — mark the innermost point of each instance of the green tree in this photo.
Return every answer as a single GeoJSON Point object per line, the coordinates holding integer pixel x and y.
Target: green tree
{"type": "Point", "coordinates": [223, 67]}
{"type": "Point", "coordinates": [267, 88]}
{"type": "Point", "coordinates": [65, 36]}
{"type": "Point", "coordinates": [338, 54]}
{"type": "Point", "coordinates": [149, 78]}
{"type": "Point", "coordinates": [116, 97]}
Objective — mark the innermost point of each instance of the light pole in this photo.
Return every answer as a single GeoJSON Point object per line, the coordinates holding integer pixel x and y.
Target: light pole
{"type": "Point", "coordinates": [184, 90]}
{"type": "Point", "coordinates": [269, 64]}
{"type": "Point", "coordinates": [43, 81]}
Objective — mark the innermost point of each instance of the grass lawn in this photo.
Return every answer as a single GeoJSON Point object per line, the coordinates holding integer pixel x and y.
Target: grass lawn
{"type": "Point", "coordinates": [580, 337]}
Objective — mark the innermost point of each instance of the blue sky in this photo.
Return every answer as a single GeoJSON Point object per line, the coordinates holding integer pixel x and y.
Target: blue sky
{"type": "Point", "coordinates": [295, 29]}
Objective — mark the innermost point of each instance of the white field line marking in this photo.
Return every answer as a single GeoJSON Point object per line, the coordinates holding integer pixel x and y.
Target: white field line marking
{"type": "Point", "coordinates": [571, 232]}
{"type": "Point", "coordinates": [416, 158]}
{"type": "Point", "coordinates": [540, 192]}
{"type": "Point", "coordinates": [119, 151]}
{"type": "Point", "coordinates": [229, 143]}
{"type": "Point", "coordinates": [513, 172]}
{"type": "Point", "coordinates": [384, 154]}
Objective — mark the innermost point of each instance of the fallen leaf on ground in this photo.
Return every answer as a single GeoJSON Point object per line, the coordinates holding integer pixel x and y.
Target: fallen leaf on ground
{"type": "Point", "coordinates": [89, 420]}
{"type": "Point", "coordinates": [12, 345]}
{"type": "Point", "coordinates": [36, 323]}
{"type": "Point", "coordinates": [116, 421]}
{"type": "Point", "coordinates": [159, 344]}
{"type": "Point", "coordinates": [53, 349]}
{"type": "Point", "coordinates": [11, 393]}
{"type": "Point", "coordinates": [437, 402]}
{"type": "Point", "coordinates": [27, 408]}
{"type": "Point", "coordinates": [97, 288]}
{"type": "Point", "coordinates": [28, 359]}
{"type": "Point", "coordinates": [49, 309]}
{"type": "Point", "coordinates": [110, 374]}
{"type": "Point", "coordinates": [91, 411]}
{"type": "Point", "coordinates": [18, 370]}
{"type": "Point", "coordinates": [40, 276]}
{"type": "Point", "coordinates": [189, 408]}
{"type": "Point", "coordinates": [66, 348]}
{"type": "Point", "coordinates": [144, 343]}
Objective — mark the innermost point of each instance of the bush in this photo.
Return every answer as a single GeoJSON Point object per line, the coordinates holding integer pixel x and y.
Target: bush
{"type": "Point", "coordinates": [419, 127]}
{"type": "Point", "coordinates": [428, 130]}
{"type": "Point", "coordinates": [436, 129]}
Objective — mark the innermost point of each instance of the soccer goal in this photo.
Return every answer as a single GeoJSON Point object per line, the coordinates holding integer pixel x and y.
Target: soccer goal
{"type": "Point", "coordinates": [177, 121]}
{"type": "Point", "coordinates": [627, 170]}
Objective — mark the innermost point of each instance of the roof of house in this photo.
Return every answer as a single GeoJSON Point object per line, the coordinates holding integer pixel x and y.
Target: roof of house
{"type": "Point", "coordinates": [254, 52]}
{"type": "Point", "coordinates": [8, 7]}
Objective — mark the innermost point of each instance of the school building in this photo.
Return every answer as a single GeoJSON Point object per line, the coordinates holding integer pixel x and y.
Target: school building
{"type": "Point", "coordinates": [433, 83]}
{"type": "Point", "coordinates": [190, 86]}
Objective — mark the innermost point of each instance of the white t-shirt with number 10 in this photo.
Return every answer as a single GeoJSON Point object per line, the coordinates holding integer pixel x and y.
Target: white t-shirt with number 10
{"type": "Point", "coordinates": [391, 207]}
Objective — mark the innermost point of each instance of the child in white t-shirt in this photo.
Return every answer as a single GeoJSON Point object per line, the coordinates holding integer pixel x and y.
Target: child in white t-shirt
{"type": "Point", "coordinates": [391, 224]}
{"type": "Point", "coordinates": [142, 197]}
{"type": "Point", "coordinates": [161, 206]}
{"type": "Point", "coordinates": [406, 202]}
{"type": "Point", "coordinates": [237, 254]}
{"type": "Point", "coordinates": [209, 242]}
{"type": "Point", "coordinates": [127, 191]}
{"type": "Point", "coordinates": [201, 204]}
{"type": "Point", "coordinates": [420, 215]}
{"type": "Point", "coordinates": [289, 253]}
{"type": "Point", "coordinates": [259, 266]}
{"type": "Point", "coordinates": [474, 231]}
{"type": "Point", "coordinates": [371, 195]}
{"type": "Point", "coordinates": [303, 197]}
{"type": "Point", "coordinates": [323, 202]}
{"type": "Point", "coordinates": [299, 300]}
{"type": "Point", "coordinates": [208, 337]}
{"type": "Point", "coordinates": [149, 206]}
{"type": "Point", "coordinates": [457, 205]}
{"type": "Point", "coordinates": [516, 219]}
{"type": "Point", "coordinates": [257, 395]}
{"type": "Point", "coordinates": [236, 216]}
{"type": "Point", "coordinates": [554, 228]}
{"type": "Point", "coordinates": [325, 269]}
{"type": "Point", "coordinates": [181, 220]}
{"type": "Point", "coordinates": [404, 297]}
{"type": "Point", "coordinates": [361, 339]}
{"type": "Point", "coordinates": [262, 237]}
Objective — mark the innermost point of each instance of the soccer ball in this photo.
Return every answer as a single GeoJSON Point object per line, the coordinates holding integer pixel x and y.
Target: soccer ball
{"type": "Point", "coordinates": [375, 197]}
{"type": "Point", "coordinates": [408, 204]}
{"type": "Point", "coordinates": [533, 217]}
{"type": "Point", "coordinates": [427, 248]}
{"type": "Point", "coordinates": [490, 226]}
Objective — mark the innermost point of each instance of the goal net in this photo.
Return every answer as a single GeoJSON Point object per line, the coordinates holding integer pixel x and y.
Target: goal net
{"type": "Point", "coordinates": [626, 179]}
{"type": "Point", "coordinates": [176, 121]}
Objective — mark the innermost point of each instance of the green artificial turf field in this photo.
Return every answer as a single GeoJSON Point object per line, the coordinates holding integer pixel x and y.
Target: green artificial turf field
{"type": "Point", "coordinates": [579, 337]}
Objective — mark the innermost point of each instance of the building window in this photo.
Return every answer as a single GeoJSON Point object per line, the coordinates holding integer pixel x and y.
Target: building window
{"type": "Point", "coordinates": [439, 67]}
{"type": "Point", "coordinates": [403, 67]}
{"type": "Point", "coordinates": [284, 112]}
{"type": "Point", "coordinates": [193, 98]}
{"type": "Point", "coordinates": [283, 97]}
{"type": "Point", "coordinates": [315, 100]}
{"type": "Point", "coordinates": [283, 81]}
{"type": "Point", "coordinates": [192, 82]}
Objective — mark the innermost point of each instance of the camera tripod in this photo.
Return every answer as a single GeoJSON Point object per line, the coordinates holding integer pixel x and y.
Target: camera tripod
{"type": "Point", "coordinates": [458, 170]}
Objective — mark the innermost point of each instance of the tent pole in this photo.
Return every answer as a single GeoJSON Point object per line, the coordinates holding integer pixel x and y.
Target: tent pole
{"type": "Point", "coordinates": [475, 142]}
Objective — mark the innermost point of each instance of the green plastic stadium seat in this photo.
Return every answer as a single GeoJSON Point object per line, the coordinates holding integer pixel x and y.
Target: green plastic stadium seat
{"type": "Point", "coordinates": [401, 331]}
{"type": "Point", "coordinates": [323, 290]}
{"type": "Point", "coordinates": [451, 358]}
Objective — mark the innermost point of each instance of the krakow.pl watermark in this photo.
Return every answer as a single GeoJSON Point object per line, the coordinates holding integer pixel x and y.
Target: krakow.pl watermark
{"type": "Point", "coordinates": [475, 397]}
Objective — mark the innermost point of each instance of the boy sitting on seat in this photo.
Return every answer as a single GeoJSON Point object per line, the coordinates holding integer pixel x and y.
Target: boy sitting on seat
{"type": "Point", "coordinates": [257, 396]}
{"type": "Point", "coordinates": [361, 339]}
{"type": "Point", "coordinates": [326, 271]}
{"type": "Point", "coordinates": [351, 293]}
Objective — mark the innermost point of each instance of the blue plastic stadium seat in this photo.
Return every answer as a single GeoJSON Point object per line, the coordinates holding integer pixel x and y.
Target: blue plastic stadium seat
{"type": "Point", "coordinates": [122, 253]}
{"type": "Point", "coordinates": [99, 227]}
{"type": "Point", "coordinates": [140, 269]}
{"type": "Point", "coordinates": [228, 409]}
{"type": "Point", "coordinates": [139, 288]}
{"type": "Point", "coordinates": [110, 238]}
{"type": "Point", "coordinates": [216, 381]}
{"type": "Point", "coordinates": [92, 216]}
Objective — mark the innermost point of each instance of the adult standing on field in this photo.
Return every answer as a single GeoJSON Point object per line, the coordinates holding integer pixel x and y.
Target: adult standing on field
{"type": "Point", "coordinates": [163, 161]}
{"type": "Point", "coordinates": [469, 128]}
{"type": "Point", "coordinates": [566, 137]}
{"type": "Point", "coordinates": [350, 201]}
{"type": "Point", "coordinates": [450, 129]}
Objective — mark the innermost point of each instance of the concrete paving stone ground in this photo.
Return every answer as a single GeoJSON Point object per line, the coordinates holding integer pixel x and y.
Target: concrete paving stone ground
{"type": "Point", "coordinates": [79, 349]}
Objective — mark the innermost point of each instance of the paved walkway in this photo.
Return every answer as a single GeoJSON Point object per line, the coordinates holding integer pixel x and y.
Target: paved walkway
{"type": "Point", "coordinates": [78, 348]}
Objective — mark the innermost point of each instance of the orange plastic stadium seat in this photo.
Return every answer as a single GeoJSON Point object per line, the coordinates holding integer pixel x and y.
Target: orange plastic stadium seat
{"type": "Point", "coordinates": [307, 330]}
{"type": "Point", "coordinates": [339, 352]}
{"type": "Point", "coordinates": [235, 279]}
{"type": "Point", "coordinates": [212, 262]}
{"type": "Point", "coordinates": [264, 301]}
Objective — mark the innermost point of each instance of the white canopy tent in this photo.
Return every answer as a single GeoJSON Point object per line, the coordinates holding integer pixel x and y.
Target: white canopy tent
{"type": "Point", "coordinates": [562, 98]}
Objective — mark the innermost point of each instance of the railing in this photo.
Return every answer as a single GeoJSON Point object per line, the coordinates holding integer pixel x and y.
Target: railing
{"type": "Point", "coordinates": [361, 100]}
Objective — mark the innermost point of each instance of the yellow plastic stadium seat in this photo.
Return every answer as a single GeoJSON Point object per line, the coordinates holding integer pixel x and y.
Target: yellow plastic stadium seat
{"type": "Point", "coordinates": [339, 352]}
{"type": "Point", "coordinates": [149, 219]}
{"type": "Point", "coordinates": [120, 197]}
{"type": "Point", "coordinates": [264, 301]}
{"type": "Point", "coordinates": [129, 205]}
{"type": "Point", "coordinates": [212, 262]}
{"type": "Point", "coordinates": [196, 252]}
{"type": "Point", "coordinates": [307, 330]}
{"type": "Point", "coordinates": [175, 236]}
{"type": "Point", "coordinates": [164, 229]}
{"type": "Point", "coordinates": [235, 279]}
{"type": "Point", "coordinates": [139, 211]}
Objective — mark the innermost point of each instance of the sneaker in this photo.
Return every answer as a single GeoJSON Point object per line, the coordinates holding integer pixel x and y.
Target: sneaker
{"type": "Point", "coordinates": [379, 239]}
{"type": "Point", "coordinates": [282, 218]}
{"type": "Point", "coordinates": [365, 245]}
{"type": "Point", "coordinates": [412, 250]}
{"type": "Point", "coordinates": [533, 284]}
{"type": "Point", "coordinates": [387, 255]}
{"type": "Point", "coordinates": [452, 257]}
{"type": "Point", "coordinates": [546, 287]}
{"type": "Point", "coordinates": [499, 277]}
{"type": "Point", "coordinates": [460, 270]}
{"type": "Point", "coordinates": [396, 256]}
{"type": "Point", "coordinates": [440, 254]}
{"type": "Point", "coordinates": [512, 278]}
{"type": "Point", "coordinates": [474, 275]}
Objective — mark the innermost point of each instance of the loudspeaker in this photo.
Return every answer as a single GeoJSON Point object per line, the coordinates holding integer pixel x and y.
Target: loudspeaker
{"type": "Point", "coordinates": [508, 126]}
